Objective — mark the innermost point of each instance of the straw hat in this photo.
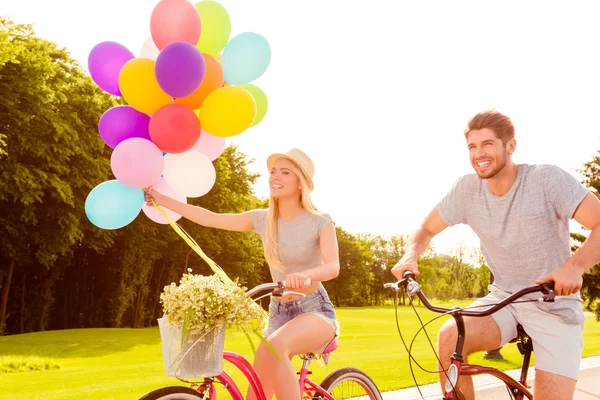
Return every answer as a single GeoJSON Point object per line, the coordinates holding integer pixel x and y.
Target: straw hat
{"type": "Point", "coordinates": [300, 159]}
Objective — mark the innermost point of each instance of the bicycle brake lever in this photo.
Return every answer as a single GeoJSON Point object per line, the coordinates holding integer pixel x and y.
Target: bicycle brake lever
{"type": "Point", "coordinates": [391, 285]}
{"type": "Point", "coordinates": [548, 292]}
{"type": "Point", "coordinates": [413, 288]}
{"type": "Point", "coordinates": [279, 291]}
{"type": "Point", "coordinates": [549, 298]}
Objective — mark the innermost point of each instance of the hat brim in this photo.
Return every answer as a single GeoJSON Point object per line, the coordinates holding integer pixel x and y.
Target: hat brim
{"type": "Point", "coordinates": [276, 156]}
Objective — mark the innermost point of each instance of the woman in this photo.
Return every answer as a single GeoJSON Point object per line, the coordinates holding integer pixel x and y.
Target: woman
{"type": "Point", "coordinates": [299, 243]}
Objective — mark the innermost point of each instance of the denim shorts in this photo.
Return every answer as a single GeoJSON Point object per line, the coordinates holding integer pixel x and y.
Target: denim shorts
{"type": "Point", "coordinates": [317, 303]}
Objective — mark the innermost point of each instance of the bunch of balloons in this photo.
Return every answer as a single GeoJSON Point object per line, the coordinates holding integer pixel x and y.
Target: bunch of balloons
{"type": "Point", "coordinates": [188, 91]}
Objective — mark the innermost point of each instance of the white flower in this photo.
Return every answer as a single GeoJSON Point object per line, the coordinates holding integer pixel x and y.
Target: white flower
{"type": "Point", "coordinates": [212, 302]}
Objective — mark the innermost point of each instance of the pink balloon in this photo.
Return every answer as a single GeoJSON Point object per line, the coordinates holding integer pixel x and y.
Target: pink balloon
{"type": "Point", "coordinates": [174, 21]}
{"type": "Point", "coordinates": [163, 187]}
{"type": "Point", "coordinates": [209, 145]}
{"type": "Point", "coordinates": [137, 162]}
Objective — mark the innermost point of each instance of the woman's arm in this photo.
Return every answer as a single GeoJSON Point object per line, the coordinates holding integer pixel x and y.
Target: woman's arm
{"type": "Point", "coordinates": [231, 222]}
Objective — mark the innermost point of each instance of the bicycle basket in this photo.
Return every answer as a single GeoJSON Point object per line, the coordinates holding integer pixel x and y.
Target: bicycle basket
{"type": "Point", "coordinates": [200, 357]}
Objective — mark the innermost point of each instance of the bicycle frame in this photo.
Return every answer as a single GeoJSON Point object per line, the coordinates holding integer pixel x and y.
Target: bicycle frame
{"type": "Point", "coordinates": [307, 386]}
{"type": "Point", "coordinates": [457, 367]}
{"type": "Point", "coordinates": [518, 388]}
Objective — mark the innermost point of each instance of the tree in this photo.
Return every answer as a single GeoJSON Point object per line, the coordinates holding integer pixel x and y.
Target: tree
{"type": "Point", "coordinates": [386, 253]}
{"type": "Point", "coordinates": [353, 285]}
{"type": "Point", "coordinates": [48, 116]}
{"type": "Point", "coordinates": [58, 270]}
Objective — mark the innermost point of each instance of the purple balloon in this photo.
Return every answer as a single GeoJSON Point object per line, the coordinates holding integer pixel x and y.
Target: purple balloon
{"type": "Point", "coordinates": [123, 122]}
{"type": "Point", "coordinates": [105, 63]}
{"type": "Point", "coordinates": [180, 69]}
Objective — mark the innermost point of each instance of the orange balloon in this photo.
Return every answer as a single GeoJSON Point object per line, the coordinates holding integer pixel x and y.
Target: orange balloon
{"type": "Point", "coordinates": [213, 79]}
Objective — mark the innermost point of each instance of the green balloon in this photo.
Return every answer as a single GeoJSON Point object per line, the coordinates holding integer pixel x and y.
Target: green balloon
{"type": "Point", "coordinates": [215, 27]}
{"type": "Point", "coordinates": [262, 103]}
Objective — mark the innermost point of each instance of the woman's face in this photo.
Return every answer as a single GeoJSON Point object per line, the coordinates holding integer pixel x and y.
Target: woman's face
{"type": "Point", "coordinates": [283, 181]}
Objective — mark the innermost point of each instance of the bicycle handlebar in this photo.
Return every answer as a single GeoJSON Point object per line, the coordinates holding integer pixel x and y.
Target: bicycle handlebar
{"type": "Point", "coordinates": [278, 289]}
{"type": "Point", "coordinates": [412, 287]}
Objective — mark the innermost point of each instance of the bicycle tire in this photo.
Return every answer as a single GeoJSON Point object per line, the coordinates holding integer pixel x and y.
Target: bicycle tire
{"type": "Point", "coordinates": [351, 374]}
{"type": "Point", "coordinates": [173, 393]}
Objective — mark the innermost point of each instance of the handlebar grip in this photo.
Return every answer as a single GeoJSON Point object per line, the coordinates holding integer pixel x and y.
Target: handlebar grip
{"type": "Point", "coordinates": [549, 285]}
{"type": "Point", "coordinates": [307, 282]}
{"type": "Point", "coordinates": [408, 274]}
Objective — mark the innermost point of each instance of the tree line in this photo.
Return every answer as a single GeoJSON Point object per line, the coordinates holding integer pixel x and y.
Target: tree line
{"type": "Point", "coordinates": [59, 271]}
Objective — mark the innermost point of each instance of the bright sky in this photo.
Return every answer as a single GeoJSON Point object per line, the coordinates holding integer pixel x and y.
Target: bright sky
{"type": "Point", "coordinates": [378, 92]}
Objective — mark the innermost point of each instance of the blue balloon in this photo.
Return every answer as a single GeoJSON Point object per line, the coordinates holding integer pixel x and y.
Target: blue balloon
{"type": "Point", "coordinates": [112, 205]}
{"type": "Point", "coordinates": [245, 58]}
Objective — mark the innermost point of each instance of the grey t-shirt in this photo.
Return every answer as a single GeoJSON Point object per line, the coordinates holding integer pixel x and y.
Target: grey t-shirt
{"type": "Point", "coordinates": [524, 234]}
{"type": "Point", "coordinates": [298, 241]}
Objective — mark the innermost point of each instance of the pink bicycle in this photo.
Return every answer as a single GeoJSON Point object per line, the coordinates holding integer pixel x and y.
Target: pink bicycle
{"type": "Point", "coordinates": [344, 383]}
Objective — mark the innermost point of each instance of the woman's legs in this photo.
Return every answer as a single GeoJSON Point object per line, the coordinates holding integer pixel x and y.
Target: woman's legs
{"type": "Point", "coordinates": [305, 333]}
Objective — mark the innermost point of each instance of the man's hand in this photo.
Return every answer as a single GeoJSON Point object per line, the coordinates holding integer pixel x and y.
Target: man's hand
{"type": "Point", "coordinates": [567, 279]}
{"type": "Point", "coordinates": [405, 264]}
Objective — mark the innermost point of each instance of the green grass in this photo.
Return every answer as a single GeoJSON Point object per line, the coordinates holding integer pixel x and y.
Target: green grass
{"type": "Point", "coordinates": [26, 364]}
{"type": "Point", "coordinates": [126, 363]}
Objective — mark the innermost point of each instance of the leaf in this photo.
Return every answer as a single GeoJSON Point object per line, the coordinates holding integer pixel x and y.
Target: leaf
{"type": "Point", "coordinates": [251, 343]}
{"type": "Point", "coordinates": [269, 346]}
{"type": "Point", "coordinates": [186, 323]}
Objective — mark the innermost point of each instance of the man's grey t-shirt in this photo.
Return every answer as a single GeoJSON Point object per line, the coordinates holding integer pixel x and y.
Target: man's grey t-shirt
{"type": "Point", "coordinates": [524, 234]}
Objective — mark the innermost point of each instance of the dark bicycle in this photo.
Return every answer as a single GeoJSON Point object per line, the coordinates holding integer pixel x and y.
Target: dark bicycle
{"type": "Point", "coordinates": [518, 390]}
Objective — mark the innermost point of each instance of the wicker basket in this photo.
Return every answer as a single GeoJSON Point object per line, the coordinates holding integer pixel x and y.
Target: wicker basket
{"type": "Point", "coordinates": [200, 357]}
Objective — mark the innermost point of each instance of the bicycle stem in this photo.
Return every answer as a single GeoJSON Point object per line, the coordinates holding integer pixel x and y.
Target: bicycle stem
{"type": "Point", "coordinates": [460, 325]}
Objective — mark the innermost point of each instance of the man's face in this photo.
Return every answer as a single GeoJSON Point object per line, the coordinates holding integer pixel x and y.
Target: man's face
{"type": "Point", "coordinates": [487, 153]}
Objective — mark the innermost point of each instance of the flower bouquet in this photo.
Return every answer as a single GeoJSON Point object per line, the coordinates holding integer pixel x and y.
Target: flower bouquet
{"type": "Point", "coordinates": [196, 315]}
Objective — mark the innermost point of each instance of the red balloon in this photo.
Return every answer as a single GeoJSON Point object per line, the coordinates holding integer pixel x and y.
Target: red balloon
{"type": "Point", "coordinates": [174, 128]}
{"type": "Point", "coordinates": [174, 21]}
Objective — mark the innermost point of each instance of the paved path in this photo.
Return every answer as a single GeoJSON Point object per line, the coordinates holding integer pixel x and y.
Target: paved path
{"type": "Point", "coordinates": [490, 388]}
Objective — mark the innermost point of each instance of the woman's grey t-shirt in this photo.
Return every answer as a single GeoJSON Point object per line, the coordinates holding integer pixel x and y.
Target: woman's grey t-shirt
{"type": "Point", "coordinates": [524, 234]}
{"type": "Point", "coordinates": [298, 241]}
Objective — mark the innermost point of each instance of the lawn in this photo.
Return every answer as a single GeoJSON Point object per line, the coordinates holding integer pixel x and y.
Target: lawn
{"type": "Point", "coordinates": [126, 363]}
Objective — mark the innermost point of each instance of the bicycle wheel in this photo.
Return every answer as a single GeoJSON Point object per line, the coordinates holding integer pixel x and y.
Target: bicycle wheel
{"type": "Point", "coordinates": [350, 383]}
{"type": "Point", "coordinates": [173, 393]}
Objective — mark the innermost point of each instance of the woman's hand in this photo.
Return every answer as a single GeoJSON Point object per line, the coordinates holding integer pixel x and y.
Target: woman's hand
{"type": "Point", "coordinates": [151, 195]}
{"type": "Point", "coordinates": [297, 281]}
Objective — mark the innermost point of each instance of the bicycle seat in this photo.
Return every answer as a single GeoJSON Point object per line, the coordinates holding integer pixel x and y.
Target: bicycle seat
{"type": "Point", "coordinates": [521, 334]}
{"type": "Point", "coordinates": [324, 352]}
{"type": "Point", "coordinates": [330, 348]}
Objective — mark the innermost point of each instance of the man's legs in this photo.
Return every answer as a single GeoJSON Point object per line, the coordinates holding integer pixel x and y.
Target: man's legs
{"type": "Point", "coordinates": [557, 348]}
{"type": "Point", "coordinates": [552, 386]}
{"type": "Point", "coordinates": [481, 333]}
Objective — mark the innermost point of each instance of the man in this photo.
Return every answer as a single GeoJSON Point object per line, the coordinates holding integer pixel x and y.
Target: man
{"type": "Point", "coordinates": [521, 214]}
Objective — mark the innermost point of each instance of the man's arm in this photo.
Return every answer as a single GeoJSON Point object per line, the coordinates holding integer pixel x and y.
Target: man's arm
{"type": "Point", "coordinates": [568, 278]}
{"type": "Point", "coordinates": [418, 242]}
{"type": "Point", "coordinates": [588, 215]}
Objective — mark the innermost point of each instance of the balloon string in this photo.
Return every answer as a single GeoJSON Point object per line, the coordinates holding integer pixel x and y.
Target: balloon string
{"type": "Point", "coordinates": [192, 243]}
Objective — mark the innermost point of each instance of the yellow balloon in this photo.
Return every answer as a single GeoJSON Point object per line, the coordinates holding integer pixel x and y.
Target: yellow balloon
{"type": "Point", "coordinates": [227, 111]}
{"type": "Point", "coordinates": [139, 86]}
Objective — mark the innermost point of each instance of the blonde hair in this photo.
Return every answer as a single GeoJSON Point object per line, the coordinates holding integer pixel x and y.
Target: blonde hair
{"type": "Point", "coordinates": [271, 245]}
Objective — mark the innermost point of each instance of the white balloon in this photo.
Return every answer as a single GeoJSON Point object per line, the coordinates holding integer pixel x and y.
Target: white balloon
{"type": "Point", "coordinates": [149, 50]}
{"type": "Point", "coordinates": [190, 174]}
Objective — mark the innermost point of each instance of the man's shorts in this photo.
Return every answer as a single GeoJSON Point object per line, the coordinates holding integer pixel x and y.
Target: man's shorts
{"type": "Point", "coordinates": [557, 345]}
